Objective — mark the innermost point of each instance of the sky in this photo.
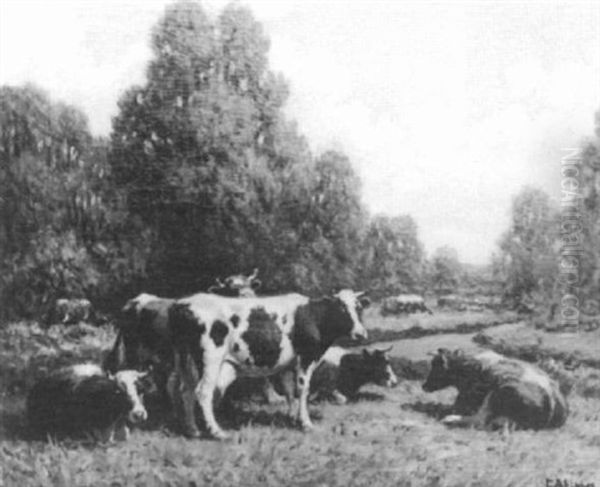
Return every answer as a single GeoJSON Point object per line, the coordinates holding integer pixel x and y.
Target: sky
{"type": "Point", "coordinates": [446, 109]}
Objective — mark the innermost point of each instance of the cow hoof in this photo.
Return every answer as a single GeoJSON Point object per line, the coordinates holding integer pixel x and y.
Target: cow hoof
{"type": "Point", "coordinates": [452, 419]}
{"type": "Point", "coordinates": [220, 435]}
{"type": "Point", "coordinates": [192, 433]}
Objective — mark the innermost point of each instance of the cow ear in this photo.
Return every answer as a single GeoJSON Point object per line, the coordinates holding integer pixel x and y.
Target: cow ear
{"type": "Point", "coordinates": [364, 301]}
{"type": "Point", "coordinates": [256, 283]}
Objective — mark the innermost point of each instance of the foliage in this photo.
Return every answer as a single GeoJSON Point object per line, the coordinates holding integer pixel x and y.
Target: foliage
{"type": "Point", "coordinates": [208, 162]}
{"type": "Point", "coordinates": [60, 219]}
{"type": "Point", "coordinates": [528, 260]}
{"type": "Point", "coordinates": [445, 271]}
{"type": "Point", "coordinates": [393, 260]}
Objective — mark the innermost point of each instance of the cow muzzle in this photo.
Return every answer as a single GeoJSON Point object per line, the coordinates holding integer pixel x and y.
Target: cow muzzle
{"type": "Point", "coordinates": [359, 333]}
{"type": "Point", "coordinates": [138, 415]}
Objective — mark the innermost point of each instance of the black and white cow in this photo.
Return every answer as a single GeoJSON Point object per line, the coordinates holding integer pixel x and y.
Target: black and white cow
{"type": "Point", "coordinates": [494, 390]}
{"type": "Point", "coordinates": [341, 373]}
{"type": "Point", "coordinates": [143, 340]}
{"type": "Point", "coordinates": [217, 339]}
{"type": "Point", "coordinates": [82, 399]}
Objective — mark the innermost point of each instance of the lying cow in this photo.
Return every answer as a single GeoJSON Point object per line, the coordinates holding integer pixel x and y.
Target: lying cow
{"type": "Point", "coordinates": [342, 373]}
{"type": "Point", "coordinates": [82, 399]}
{"type": "Point", "coordinates": [218, 338]}
{"type": "Point", "coordinates": [494, 390]}
{"type": "Point", "coordinates": [72, 311]}
{"type": "Point", "coordinates": [404, 303]}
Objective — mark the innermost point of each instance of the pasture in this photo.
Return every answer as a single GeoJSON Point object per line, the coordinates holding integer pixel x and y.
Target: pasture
{"type": "Point", "coordinates": [387, 437]}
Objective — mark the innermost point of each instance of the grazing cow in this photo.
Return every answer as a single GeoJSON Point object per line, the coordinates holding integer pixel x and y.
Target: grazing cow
{"type": "Point", "coordinates": [218, 338]}
{"type": "Point", "coordinates": [404, 303]}
{"type": "Point", "coordinates": [342, 373]}
{"type": "Point", "coordinates": [494, 390]}
{"type": "Point", "coordinates": [143, 340]}
{"type": "Point", "coordinates": [82, 399]}
{"type": "Point", "coordinates": [237, 285]}
{"type": "Point", "coordinates": [72, 311]}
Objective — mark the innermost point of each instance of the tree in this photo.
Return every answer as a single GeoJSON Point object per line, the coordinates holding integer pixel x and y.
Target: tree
{"type": "Point", "coordinates": [207, 160]}
{"type": "Point", "coordinates": [445, 270]}
{"type": "Point", "coordinates": [528, 248]}
{"type": "Point", "coordinates": [393, 259]}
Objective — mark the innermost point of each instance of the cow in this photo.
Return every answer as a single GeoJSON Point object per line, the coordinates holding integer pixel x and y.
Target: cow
{"type": "Point", "coordinates": [218, 338]}
{"type": "Point", "coordinates": [82, 399]}
{"type": "Point", "coordinates": [404, 303]}
{"type": "Point", "coordinates": [341, 373]}
{"type": "Point", "coordinates": [237, 285]}
{"type": "Point", "coordinates": [143, 341]}
{"type": "Point", "coordinates": [494, 390]}
{"type": "Point", "coordinates": [72, 311]}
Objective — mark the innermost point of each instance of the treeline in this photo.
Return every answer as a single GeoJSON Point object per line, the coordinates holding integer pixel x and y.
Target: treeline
{"type": "Point", "coordinates": [202, 176]}
{"type": "Point", "coordinates": [552, 248]}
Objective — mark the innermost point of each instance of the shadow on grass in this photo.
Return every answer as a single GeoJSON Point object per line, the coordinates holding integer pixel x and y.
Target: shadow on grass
{"type": "Point", "coordinates": [433, 409]}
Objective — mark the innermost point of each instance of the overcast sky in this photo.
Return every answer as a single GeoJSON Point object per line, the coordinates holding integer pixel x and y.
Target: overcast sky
{"type": "Point", "coordinates": [445, 108]}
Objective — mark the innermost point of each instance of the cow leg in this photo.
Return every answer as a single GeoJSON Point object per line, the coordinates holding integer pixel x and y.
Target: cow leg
{"type": "Point", "coordinates": [205, 392]}
{"type": "Point", "coordinates": [189, 376]}
{"type": "Point", "coordinates": [227, 375]}
{"type": "Point", "coordinates": [303, 379]}
{"type": "Point", "coordinates": [270, 394]}
{"type": "Point", "coordinates": [286, 383]}
{"type": "Point", "coordinates": [478, 420]}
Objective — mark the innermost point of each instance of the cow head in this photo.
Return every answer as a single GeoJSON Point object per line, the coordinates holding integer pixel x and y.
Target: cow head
{"type": "Point", "coordinates": [135, 384]}
{"type": "Point", "coordinates": [349, 306]}
{"type": "Point", "coordinates": [378, 366]}
{"type": "Point", "coordinates": [237, 285]}
{"type": "Point", "coordinates": [442, 374]}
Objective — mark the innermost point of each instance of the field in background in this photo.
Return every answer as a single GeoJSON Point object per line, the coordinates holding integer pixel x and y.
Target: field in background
{"type": "Point", "coordinates": [388, 437]}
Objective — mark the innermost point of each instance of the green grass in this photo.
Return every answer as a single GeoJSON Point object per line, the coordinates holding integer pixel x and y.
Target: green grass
{"type": "Point", "coordinates": [389, 437]}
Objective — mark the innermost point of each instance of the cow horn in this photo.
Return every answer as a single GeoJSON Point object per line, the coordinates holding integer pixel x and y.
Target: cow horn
{"type": "Point", "coordinates": [359, 293]}
{"type": "Point", "coordinates": [254, 274]}
{"type": "Point", "coordinates": [385, 350]}
{"type": "Point", "coordinates": [219, 282]}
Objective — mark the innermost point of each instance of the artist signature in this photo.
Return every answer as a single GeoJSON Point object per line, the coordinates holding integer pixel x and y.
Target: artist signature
{"type": "Point", "coordinates": [556, 482]}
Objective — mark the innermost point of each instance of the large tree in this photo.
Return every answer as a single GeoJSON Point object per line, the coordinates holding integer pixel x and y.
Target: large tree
{"type": "Point", "coordinates": [207, 159]}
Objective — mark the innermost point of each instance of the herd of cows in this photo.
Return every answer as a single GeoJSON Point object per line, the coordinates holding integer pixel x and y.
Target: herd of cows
{"type": "Point", "coordinates": [187, 352]}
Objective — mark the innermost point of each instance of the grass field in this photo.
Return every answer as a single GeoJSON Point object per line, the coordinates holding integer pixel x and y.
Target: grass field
{"type": "Point", "coordinates": [388, 437]}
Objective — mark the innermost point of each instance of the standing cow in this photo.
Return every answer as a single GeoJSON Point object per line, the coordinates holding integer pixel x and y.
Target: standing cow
{"type": "Point", "coordinates": [218, 338]}
{"type": "Point", "coordinates": [495, 390]}
{"type": "Point", "coordinates": [83, 399]}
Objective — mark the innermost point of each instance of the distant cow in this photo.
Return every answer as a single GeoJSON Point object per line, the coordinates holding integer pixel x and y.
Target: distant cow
{"type": "Point", "coordinates": [82, 399]}
{"type": "Point", "coordinates": [143, 340]}
{"type": "Point", "coordinates": [494, 390]}
{"type": "Point", "coordinates": [404, 303]}
{"type": "Point", "coordinates": [342, 373]}
{"type": "Point", "coordinates": [237, 285]}
{"type": "Point", "coordinates": [218, 338]}
{"type": "Point", "coordinates": [72, 311]}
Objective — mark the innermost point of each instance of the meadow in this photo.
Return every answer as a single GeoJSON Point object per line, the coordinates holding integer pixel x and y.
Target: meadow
{"type": "Point", "coordinates": [387, 437]}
